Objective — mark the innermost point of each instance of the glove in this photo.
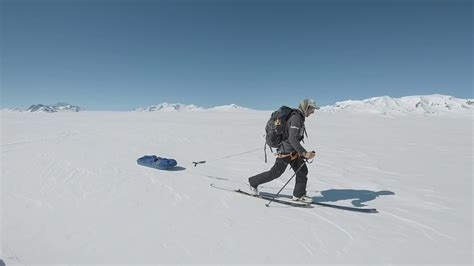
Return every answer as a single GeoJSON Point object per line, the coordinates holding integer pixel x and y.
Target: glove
{"type": "Point", "coordinates": [309, 155]}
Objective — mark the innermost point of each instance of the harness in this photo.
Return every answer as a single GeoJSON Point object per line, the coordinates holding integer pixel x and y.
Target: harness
{"type": "Point", "coordinates": [293, 155]}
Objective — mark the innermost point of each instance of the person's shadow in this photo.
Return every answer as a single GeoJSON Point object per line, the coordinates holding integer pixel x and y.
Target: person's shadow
{"type": "Point", "coordinates": [358, 197]}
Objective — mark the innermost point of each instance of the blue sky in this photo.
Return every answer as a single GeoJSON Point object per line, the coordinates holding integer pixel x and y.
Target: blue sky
{"type": "Point", "coordinates": [118, 55]}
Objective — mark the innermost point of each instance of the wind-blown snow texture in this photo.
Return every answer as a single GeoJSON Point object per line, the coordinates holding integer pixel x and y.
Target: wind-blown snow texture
{"type": "Point", "coordinates": [72, 191]}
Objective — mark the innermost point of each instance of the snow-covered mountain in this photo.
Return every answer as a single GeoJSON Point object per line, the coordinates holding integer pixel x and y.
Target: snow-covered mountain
{"type": "Point", "coordinates": [169, 107]}
{"type": "Point", "coordinates": [41, 108]}
{"type": "Point", "coordinates": [61, 106]}
{"type": "Point", "coordinates": [177, 107]}
{"type": "Point", "coordinates": [436, 104]}
{"type": "Point", "coordinates": [230, 107]}
{"type": "Point", "coordinates": [425, 105]}
{"type": "Point", "coordinates": [12, 110]}
{"type": "Point", "coordinates": [58, 107]}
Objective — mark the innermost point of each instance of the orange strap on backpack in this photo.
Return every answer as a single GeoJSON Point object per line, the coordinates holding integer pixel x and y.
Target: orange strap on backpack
{"type": "Point", "coordinates": [293, 155]}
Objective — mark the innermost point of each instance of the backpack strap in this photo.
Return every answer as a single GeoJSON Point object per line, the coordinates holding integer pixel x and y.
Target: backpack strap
{"type": "Point", "coordinates": [295, 111]}
{"type": "Point", "coordinates": [265, 151]}
{"type": "Point", "coordinates": [285, 131]}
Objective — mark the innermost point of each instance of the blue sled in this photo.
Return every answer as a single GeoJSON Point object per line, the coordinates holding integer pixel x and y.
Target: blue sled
{"type": "Point", "coordinates": [157, 162]}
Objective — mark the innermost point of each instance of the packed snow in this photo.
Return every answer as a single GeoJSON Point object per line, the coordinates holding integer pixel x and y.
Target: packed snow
{"type": "Point", "coordinates": [73, 193]}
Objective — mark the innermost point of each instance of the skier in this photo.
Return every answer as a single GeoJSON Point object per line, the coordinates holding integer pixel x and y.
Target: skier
{"type": "Point", "coordinates": [291, 152]}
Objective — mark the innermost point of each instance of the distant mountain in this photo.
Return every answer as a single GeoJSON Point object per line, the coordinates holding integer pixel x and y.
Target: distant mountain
{"type": "Point", "coordinates": [178, 107]}
{"type": "Point", "coordinates": [42, 108]}
{"type": "Point", "coordinates": [420, 104]}
{"type": "Point", "coordinates": [230, 107]}
{"type": "Point", "coordinates": [169, 107]}
{"type": "Point", "coordinates": [12, 110]}
{"type": "Point", "coordinates": [427, 105]}
{"type": "Point", "coordinates": [61, 106]}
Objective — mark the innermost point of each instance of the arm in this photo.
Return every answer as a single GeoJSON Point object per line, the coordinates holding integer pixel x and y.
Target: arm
{"type": "Point", "coordinates": [295, 124]}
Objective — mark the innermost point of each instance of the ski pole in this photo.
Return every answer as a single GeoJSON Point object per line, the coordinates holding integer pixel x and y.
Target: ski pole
{"type": "Point", "coordinates": [276, 195]}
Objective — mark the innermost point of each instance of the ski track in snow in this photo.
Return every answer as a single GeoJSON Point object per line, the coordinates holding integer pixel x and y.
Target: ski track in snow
{"type": "Point", "coordinates": [30, 201]}
{"type": "Point", "coordinates": [313, 213]}
{"type": "Point", "coordinates": [174, 194]}
{"type": "Point", "coordinates": [14, 145]}
{"type": "Point", "coordinates": [422, 227]}
{"type": "Point", "coordinates": [53, 176]}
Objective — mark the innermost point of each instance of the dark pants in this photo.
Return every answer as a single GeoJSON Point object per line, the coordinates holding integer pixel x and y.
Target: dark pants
{"type": "Point", "coordinates": [277, 170]}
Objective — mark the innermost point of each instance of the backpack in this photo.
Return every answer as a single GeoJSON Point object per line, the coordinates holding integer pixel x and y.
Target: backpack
{"type": "Point", "coordinates": [275, 129]}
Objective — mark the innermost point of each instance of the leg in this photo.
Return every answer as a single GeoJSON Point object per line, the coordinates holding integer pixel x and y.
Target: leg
{"type": "Point", "coordinates": [301, 177]}
{"type": "Point", "coordinates": [276, 171]}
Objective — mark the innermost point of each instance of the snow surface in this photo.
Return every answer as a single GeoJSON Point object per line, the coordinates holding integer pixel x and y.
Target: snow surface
{"type": "Point", "coordinates": [73, 193]}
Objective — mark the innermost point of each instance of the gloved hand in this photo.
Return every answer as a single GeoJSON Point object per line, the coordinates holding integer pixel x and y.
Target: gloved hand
{"type": "Point", "coordinates": [309, 155]}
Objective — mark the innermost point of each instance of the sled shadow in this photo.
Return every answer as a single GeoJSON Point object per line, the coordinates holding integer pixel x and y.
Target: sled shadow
{"type": "Point", "coordinates": [358, 197]}
{"type": "Point", "coordinates": [177, 168]}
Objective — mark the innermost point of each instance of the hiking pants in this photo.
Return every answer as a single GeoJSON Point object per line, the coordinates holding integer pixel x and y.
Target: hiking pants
{"type": "Point", "coordinates": [278, 169]}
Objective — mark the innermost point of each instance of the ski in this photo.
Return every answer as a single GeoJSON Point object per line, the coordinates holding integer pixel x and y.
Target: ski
{"type": "Point", "coordinates": [263, 197]}
{"type": "Point", "coordinates": [347, 208]}
{"type": "Point", "coordinates": [269, 196]}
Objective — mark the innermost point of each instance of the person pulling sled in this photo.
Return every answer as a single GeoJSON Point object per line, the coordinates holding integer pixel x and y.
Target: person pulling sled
{"type": "Point", "coordinates": [284, 131]}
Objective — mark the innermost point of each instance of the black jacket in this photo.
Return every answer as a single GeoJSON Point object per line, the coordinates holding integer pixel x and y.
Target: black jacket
{"type": "Point", "coordinates": [295, 131]}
